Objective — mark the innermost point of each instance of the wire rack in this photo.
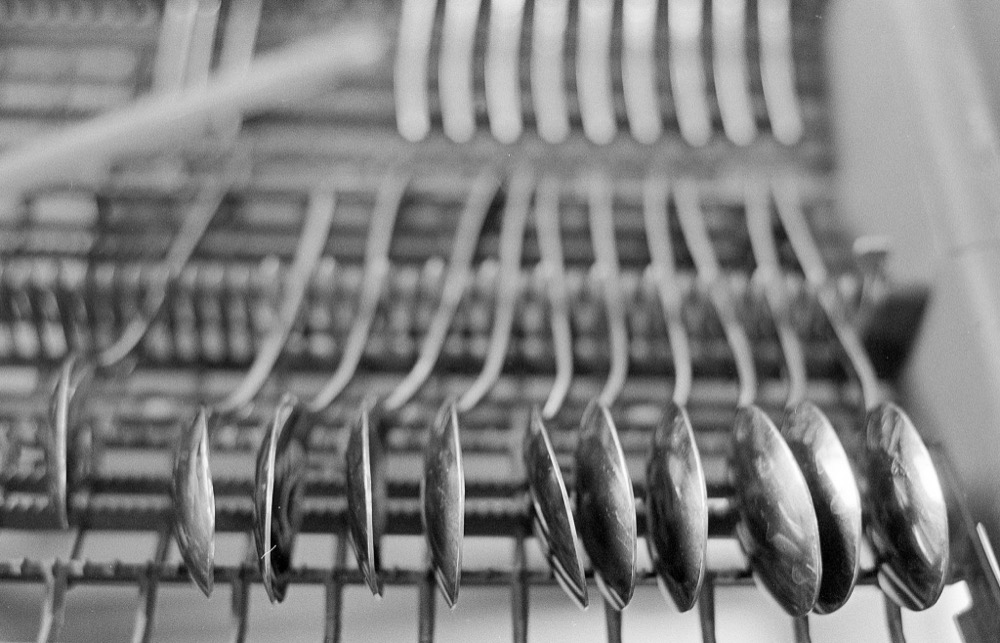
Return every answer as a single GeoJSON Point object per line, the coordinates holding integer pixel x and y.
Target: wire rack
{"type": "Point", "coordinates": [80, 259]}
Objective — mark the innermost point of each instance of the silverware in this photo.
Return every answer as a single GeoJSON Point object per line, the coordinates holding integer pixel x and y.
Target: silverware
{"type": "Point", "coordinates": [363, 457]}
{"type": "Point", "coordinates": [552, 512]}
{"type": "Point", "coordinates": [676, 494]}
{"type": "Point", "coordinates": [74, 379]}
{"type": "Point", "coordinates": [907, 519]}
{"type": "Point", "coordinates": [193, 493]}
{"type": "Point", "coordinates": [777, 527]}
{"type": "Point", "coordinates": [807, 430]}
{"type": "Point", "coordinates": [605, 500]}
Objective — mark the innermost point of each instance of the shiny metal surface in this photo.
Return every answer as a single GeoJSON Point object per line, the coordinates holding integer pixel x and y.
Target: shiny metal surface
{"type": "Point", "coordinates": [277, 496]}
{"type": "Point", "coordinates": [777, 528]}
{"type": "Point", "coordinates": [908, 519]}
{"type": "Point", "coordinates": [442, 501]}
{"type": "Point", "coordinates": [806, 428]}
{"type": "Point", "coordinates": [366, 494]}
{"type": "Point", "coordinates": [68, 396]}
{"type": "Point", "coordinates": [194, 502]}
{"type": "Point", "coordinates": [676, 494]}
{"type": "Point", "coordinates": [677, 508]}
{"type": "Point", "coordinates": [606, 506]}
{"type": "Point", "coordinates": [827, 470]}
{"type": "Point", "coordinates": [552, 511]}
{"type": "Point", "coordinates": [552, 514]}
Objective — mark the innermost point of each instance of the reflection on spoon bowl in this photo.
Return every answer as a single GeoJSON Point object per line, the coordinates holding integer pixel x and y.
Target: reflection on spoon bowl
{"type": "Point", "coordinates": [777, 527]}
{"type": "Point", "coordinates": [908, 521]}
{"type": "Point", "coordinates": [836, 499]}
{"type": "Point", "coordinates": [677, 508]}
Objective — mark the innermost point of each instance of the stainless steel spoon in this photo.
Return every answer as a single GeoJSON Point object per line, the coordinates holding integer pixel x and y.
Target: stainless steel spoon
{"type": "Point", "coordinates": [193, 493]}
{"type": "Point", "coordinates": [552, 512]}
{"type": "Point", "coordinates": [676, 494]}
{"type": "Point", "coordinates": [907, 519]}
{"type": "Point", "coordinates": [442, 489]}
{"type": "Point", "coordinates": [807, 430]}
{"type": "Point", "coordinates": [77, 371]}
{"type": "Point", "coordinates": [777, 527]}
{"type": "Point", "coordinates": [283, 451]}
{"type": "Point", "coordinates": [605, 500]}
{"type": "Point", "coordinates": [365, 475]}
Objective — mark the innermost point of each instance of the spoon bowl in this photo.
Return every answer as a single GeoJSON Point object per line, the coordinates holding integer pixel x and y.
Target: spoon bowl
{"type": "Point", "coordinates": [277, 506]}
{"type": "Point", "coordinates": [677, 508]}
{"type": "Point", "coordinates": [908, 518]}
{"type": "Point", "coordinates": [194, 502]}
{"type": "Point", "coordinates": [827, 471]}
{"type": "Point", "coordinates": [442, 499]}
{"type": "Point", "coordinates": [606, 506]}
{"type": "Point", "coordinates": [366, 494]}
{"type": "Point", "coordinates": [552, 513]}
{"type": "Point", "coordinates": [777, 527]}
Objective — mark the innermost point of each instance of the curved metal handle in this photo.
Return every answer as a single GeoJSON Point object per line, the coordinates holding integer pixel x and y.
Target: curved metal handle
{"type": "Point", "coordinates": [758, 214]}
{"type": "Point", "coordinates": [696, 234]}
{"type": "Point", "coordinates": [664, 274]}
{"type": "Point", "coordinates": [508, 287]}
{"type": "Point", "coordinates": [376, 268]}
{"type": "Point", "coordinates": [312, 241]}
{"type": "Point", "coordinates": [606, 266]}
{"type": "Point", "coordinates": [789, 206]}
{"type": "Point", "coordinates": [550, 245]}
{"type": "Point", "coordinates": [481, 196]}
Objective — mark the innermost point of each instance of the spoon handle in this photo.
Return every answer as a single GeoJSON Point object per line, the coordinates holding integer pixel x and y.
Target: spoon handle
{"type": "Point", "coordinates": [664, 275]}
{"type": "Point", "coordinates": [707, 264]}
{"type": "Point", "coordinates": [550, 246]}
{"type": "Point", "coordinates": [765, 253]}
{"type": "Point", "coordinates": [602, 234]}
{"type": "Point", "coordinates": [376, 268]}
{"type": "Point", "coordinates": [481, 197]}
{"type": "Point", "coordinates": [312, 241]}
{"type": "Point", "coordinates": [199, 216]}
{"type": "Point", "coordinates": [789, 206]}
{"type": "Point", "coordinates": [515, 215]}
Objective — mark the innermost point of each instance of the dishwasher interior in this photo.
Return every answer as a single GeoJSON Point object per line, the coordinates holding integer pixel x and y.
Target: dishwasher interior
{"type": "Point", "coordinates": [506, 210]}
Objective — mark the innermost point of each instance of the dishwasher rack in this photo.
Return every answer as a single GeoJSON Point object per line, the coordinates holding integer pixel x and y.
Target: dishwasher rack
{"type": "Point", "coordinates": [461, 95]}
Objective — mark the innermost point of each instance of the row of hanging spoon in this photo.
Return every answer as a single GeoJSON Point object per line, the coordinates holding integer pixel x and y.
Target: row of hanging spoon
{"type": "Point", "coordinates": [788, 483]}
{"type": "Point", "coordinates": [594, 26]}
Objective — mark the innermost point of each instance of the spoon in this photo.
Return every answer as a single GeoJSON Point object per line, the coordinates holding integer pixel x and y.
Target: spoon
{"type": "Point", "coordinates": [283, 451]}
{"type": "Point", "coordinates": [676, 494]}
{"type": "Point", "coordinates": [193, 493]}
{"type": "Point", "coordinates": [777, 527]}
{"type": "Point", "coordinates": [907, 516]}
{"type": "Point", "coordinates": [808, 431]}
{"type": "Point", "coordinates": [365, 470]}
{"type": "Point", "coordinates": [75, 376]}
{"type": "Point", "coordinates": [552, 514]}
{"type": "Point", "coordinates": [442, 489]}
{"type": "Point", "coordinates": [605, 500]}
